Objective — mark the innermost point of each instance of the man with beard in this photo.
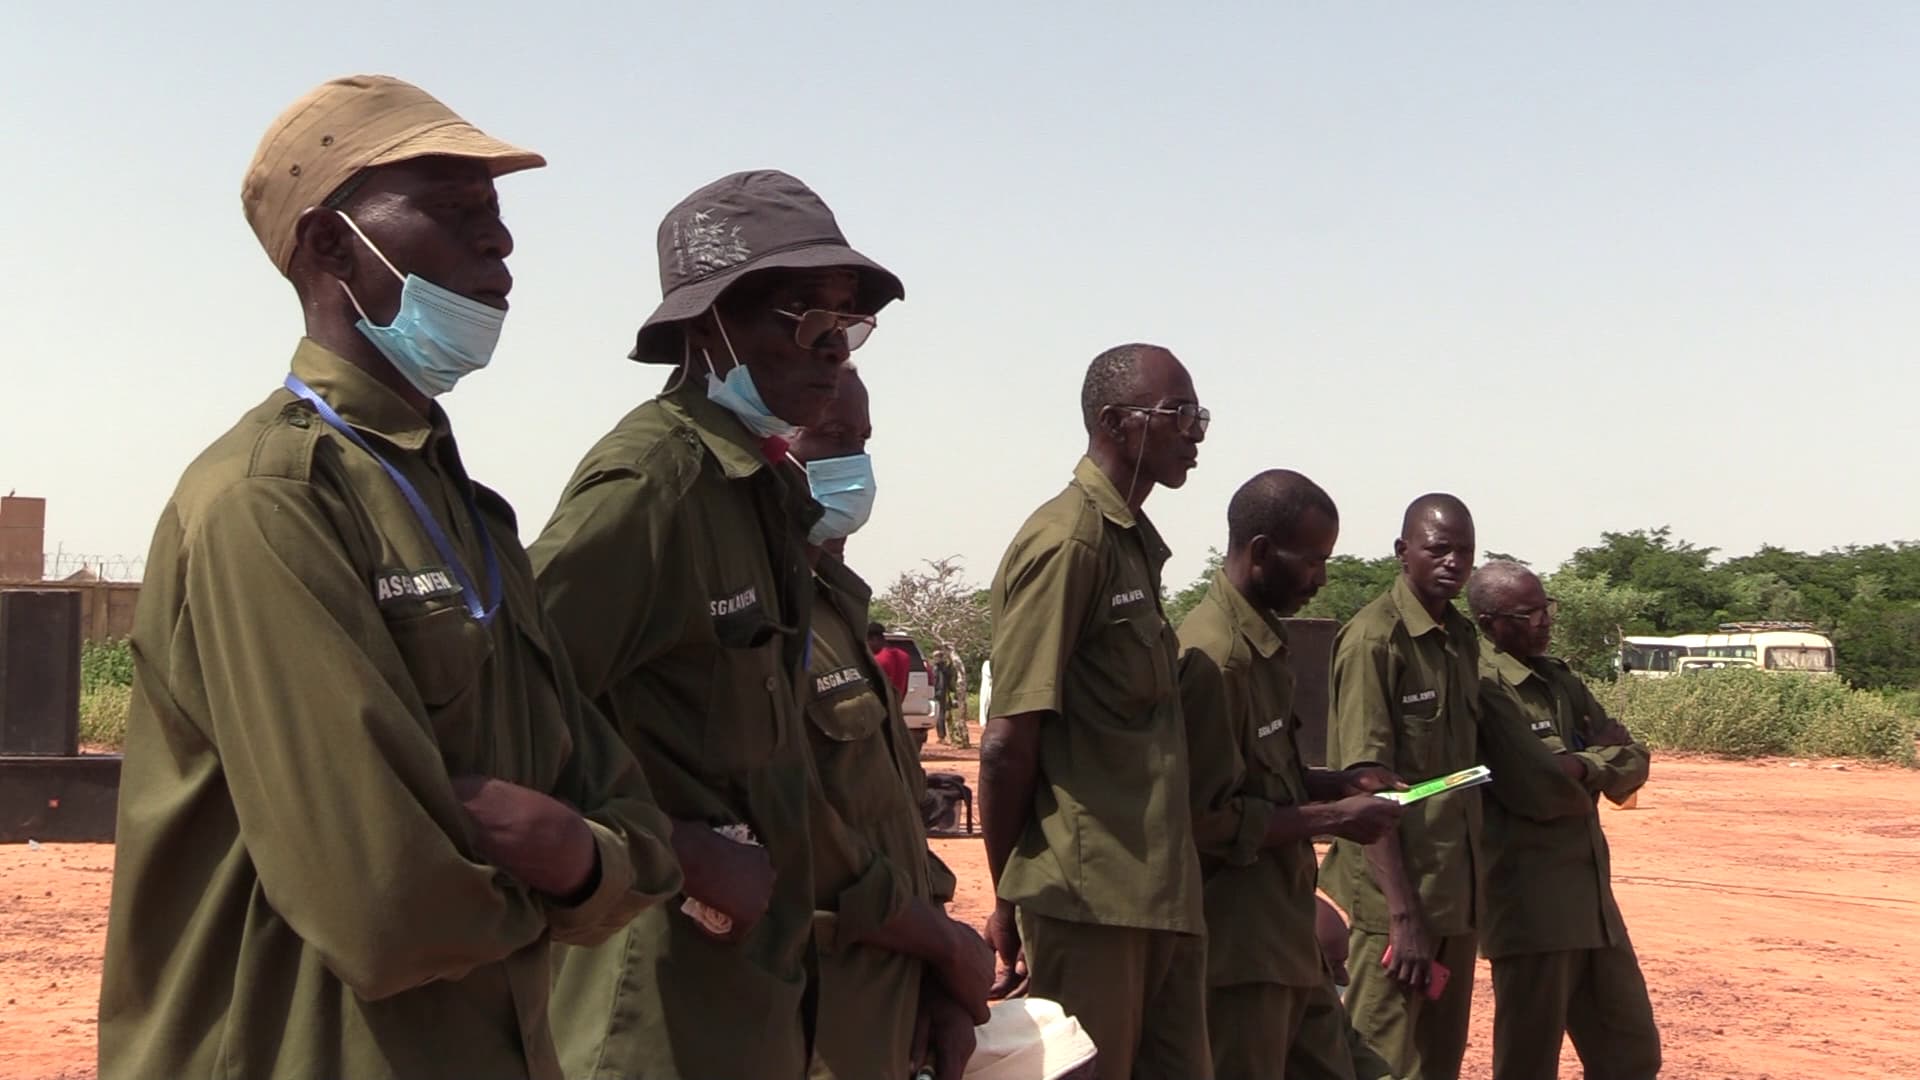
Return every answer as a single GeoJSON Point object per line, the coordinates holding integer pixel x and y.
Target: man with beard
{"type": "Point", "coordinates": [1256, 806]}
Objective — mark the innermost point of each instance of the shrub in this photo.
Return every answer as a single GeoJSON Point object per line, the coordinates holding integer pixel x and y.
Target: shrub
{"type": "Point", "coordinates": [1745, 713]}
{"type": "Point", "coordinates": [103, 716]}
{"type": "Point", "coordinates": [105, 663]}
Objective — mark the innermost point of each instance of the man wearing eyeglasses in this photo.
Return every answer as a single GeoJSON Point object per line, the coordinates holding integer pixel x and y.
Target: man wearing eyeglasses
{"type": "Point", "coordinates": [675, 567]}
{"type": "Point", "coordinates": [1083, 765]}
{"type": "Point", "coordinates": [1562, 962]}
{"type": "Point", "coordinates": [1405, 689]}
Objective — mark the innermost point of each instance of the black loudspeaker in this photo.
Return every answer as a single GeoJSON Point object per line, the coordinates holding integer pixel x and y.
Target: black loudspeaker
{"type": "Point", "coordinates": [1310, 656]}
{"type": "Point", "coordinates": [40, 672]}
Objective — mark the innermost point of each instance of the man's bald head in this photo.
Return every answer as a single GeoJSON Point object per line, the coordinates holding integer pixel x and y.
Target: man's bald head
{"type": "Point", "coordinates": [1116, 378]}
{"type": "Point", "coordinates": [1272, 505]}
{"type": "Point", "coordinates": [1432, 506]}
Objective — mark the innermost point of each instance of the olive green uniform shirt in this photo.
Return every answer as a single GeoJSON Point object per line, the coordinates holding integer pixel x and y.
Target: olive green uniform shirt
{"type": "Point", "coordinates": [675, 568]}
{"type": "Point", "coordinates": [297, 891]}
{"type": "Point", "coordinates": [1405, 695]}
{"type": "Point", "coordinates": [1237, 695]}
{"type": "Point", "coordinates": [1078, 632]}
{"type": "Point", "coordinates": [870, 846]}
{"type": "Point", "coordinates": [1549, 874]}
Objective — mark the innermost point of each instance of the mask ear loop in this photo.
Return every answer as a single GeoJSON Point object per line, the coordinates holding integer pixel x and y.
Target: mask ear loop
{"type": "Point", "coordinates": [686, 365]}
{"type": "Point", "coordinates": [378, 254]}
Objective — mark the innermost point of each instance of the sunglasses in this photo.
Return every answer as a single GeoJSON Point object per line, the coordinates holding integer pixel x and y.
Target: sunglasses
{"type": "Point", "coordinates": [1550, 609]}
{"type": "Point", "coordinates": [1187, 419]}
{"type": "Point", "coordinates": [812, 326]}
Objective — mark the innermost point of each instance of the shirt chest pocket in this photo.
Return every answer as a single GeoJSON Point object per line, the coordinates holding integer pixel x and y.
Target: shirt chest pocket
{"type": "Point", "coordinates": [1135, 664]}
{"type": "Point", "coordinates": [851, 749]}
{"type": "Point", "coordinates": [445, 652]}
{"type": "Point", "coordinates": [750, 698]}
{"type": "Point", "coordinates": [1423, 709]}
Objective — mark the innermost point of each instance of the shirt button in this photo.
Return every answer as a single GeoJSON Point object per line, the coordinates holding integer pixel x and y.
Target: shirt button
{"type": "Point", "coordinates": [771, 683]}
{"type": "Point", "coordinates": [298, 419]}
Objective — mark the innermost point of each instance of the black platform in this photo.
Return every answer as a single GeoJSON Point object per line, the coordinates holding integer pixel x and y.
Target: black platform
{"type": "Point", "coordinates": [58, 799]}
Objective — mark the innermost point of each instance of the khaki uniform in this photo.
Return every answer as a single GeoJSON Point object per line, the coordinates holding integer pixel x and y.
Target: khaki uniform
{"type": "Point", "coordinates": [675, 568]}
{"type": "Point", "coordinates": [1106, 876]}
{"type": "Point", "coordinates": [1562, 962]}
{"type": "Point", "coordinates": [297, 892]}
{"type": "Point", "coordinates": [1263, 961]}
{"type": "Point", "coordinates": [1405, 695]}
{"type": "Point", "coordinates": [870, 847]}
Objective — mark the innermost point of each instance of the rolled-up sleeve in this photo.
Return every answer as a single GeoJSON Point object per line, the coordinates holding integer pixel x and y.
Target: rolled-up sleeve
{"type": "Point", "coordinates": [339, 788]}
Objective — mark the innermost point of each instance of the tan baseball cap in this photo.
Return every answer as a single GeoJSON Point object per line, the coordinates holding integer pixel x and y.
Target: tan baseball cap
{"type": "Point", "coordinates": [346, 125]}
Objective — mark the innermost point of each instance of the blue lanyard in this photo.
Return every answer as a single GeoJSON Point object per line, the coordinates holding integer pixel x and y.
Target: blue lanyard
{"type": "Point", "coordinates": [475, 605]}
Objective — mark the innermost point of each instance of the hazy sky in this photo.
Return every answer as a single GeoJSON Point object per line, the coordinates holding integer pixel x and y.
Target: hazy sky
{"type": "Point", "coordinates": [1588, 266]}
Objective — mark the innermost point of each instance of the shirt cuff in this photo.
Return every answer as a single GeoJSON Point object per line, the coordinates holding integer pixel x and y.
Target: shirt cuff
{"type": "Point", "coordinates": [582, 920]}
{"type": "Point", "coordinates": [863, 907]}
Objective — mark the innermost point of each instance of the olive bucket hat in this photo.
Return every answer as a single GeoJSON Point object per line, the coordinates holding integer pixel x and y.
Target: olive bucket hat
{"type": "Point", "coordinates": [734, 226]}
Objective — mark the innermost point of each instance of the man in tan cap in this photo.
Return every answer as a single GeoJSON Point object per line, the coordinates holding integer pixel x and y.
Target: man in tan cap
{"type": "Point", "coordinates": [347, 822]}
{"type": "Point", "coordinates": [675, 568]}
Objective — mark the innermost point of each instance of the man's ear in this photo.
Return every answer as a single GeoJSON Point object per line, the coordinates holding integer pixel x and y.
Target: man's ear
{"type": "Point", "coordinates": [1400, 551]}
{"type": "Point", "coordinates": [324, 244]}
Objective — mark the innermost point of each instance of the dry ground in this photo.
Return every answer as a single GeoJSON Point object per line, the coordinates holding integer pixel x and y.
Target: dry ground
{"type": "Point", "coordinates": [1776, 910]}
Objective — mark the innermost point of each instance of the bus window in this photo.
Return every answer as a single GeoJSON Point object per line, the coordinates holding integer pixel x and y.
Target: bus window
{"type": "Point", "coordinates": [1799, 658]}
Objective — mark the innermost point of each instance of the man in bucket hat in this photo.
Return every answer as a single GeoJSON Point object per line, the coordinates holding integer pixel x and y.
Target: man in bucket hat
{"type": "Point", "coordinates": [675, 567]}
{"type": "Point", "coordinates": [347, 822]}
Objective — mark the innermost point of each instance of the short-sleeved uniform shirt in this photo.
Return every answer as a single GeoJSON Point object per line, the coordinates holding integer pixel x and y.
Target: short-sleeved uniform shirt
{"type": "Point", "coordinates": [297, 891]}
{"type": "Point", "coordinates": [1549, 878]}
{"type": "Point", "coordinates": [1079, 633]}
{"type": "Point", "coordinates": [675, 567]}
{"type": "Point", "coordinates": [870, 846]}
{"type": "Point", "coordinates": [1405, 695]}
{"type": "Point", "coordinates": [1245, 761]}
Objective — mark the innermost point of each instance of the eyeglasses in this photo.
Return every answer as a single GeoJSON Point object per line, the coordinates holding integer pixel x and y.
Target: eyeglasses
{"type": "Point", "coordinates": [813, 325]}
{"type": "Point", "coordinates": [1187, 419]}
{"type": "Point", "coordinates": [1551, 610]}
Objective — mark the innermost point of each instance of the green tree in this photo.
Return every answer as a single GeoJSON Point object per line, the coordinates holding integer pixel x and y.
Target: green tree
{"type": "Point", "coordinates": [1184, 601]}
{"type": "Point", "coordinates": [1352, 583]}
{"type": "Point", "coordinates": [1593, 613]}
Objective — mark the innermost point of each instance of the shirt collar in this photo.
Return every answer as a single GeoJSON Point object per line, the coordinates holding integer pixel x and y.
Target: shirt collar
{"type": "Point", "coordinates": [1510, 667]}
{"type": "Point", "coordinates": [1265, 633]}
{"type": "Point", "coordinates": [1106, 498]}
{"type": "Point", "coordinates": [362, 400]}
{"type": "Point", "coordinates": [1413, 614]}
{"type": "Point", "coordinates": [726, 438]}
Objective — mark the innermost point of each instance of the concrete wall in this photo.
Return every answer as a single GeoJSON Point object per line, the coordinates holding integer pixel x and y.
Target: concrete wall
{"type": "Point", "coordinates": [106, 607]}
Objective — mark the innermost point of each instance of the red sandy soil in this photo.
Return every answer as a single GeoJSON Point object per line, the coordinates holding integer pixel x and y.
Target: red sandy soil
{"type": "Point", "coordinates": [1775, 906]}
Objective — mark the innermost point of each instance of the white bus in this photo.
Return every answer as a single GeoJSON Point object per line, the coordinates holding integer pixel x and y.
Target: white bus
{"type": "Point", "coordinates": [1773, 647]}
{"type": "Point", "coordinates": [1793, 647]}
{"type": "Point", "coordinates": [1656, 657]}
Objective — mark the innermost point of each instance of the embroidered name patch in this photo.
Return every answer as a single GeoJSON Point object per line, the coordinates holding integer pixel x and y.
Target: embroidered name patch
{"type": "Point", "coordinates": [1418, 697]}
{"type": "Point", "coordinates": [1121, 599]}
{"type": "Point", "coordinates": [1542, 725]}
{"type": "Point", "coordinates": [423, 584]}
{"type": "Point", "coordinates": [733, 605]}
{"type": "Point", "coordinates": [1272, 727]}
{"type": "Point", "coordinates": [835, 680]}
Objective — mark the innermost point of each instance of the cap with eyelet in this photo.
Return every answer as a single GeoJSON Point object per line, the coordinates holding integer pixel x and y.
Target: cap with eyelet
{"type": "Point", "coordinates": [342, 127]}
{"type": "Point", "coordinates": [738, 224]}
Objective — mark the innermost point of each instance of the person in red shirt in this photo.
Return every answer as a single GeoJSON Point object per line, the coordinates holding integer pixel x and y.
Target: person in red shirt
{"type": "Point", "coordinates": [893, 660]}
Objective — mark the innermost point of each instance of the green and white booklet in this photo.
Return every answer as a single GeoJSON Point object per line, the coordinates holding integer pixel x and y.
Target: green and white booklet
{"type": "Point", "coordinates": [1465, 778]}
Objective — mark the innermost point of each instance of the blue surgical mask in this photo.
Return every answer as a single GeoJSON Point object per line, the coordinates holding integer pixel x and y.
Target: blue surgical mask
{"type": "Point", "coordinates": [844, 487]}
{"type": "Point", "coordinates": [737, 394]}
{"type": "Point", "coordinates": [437, 336]}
